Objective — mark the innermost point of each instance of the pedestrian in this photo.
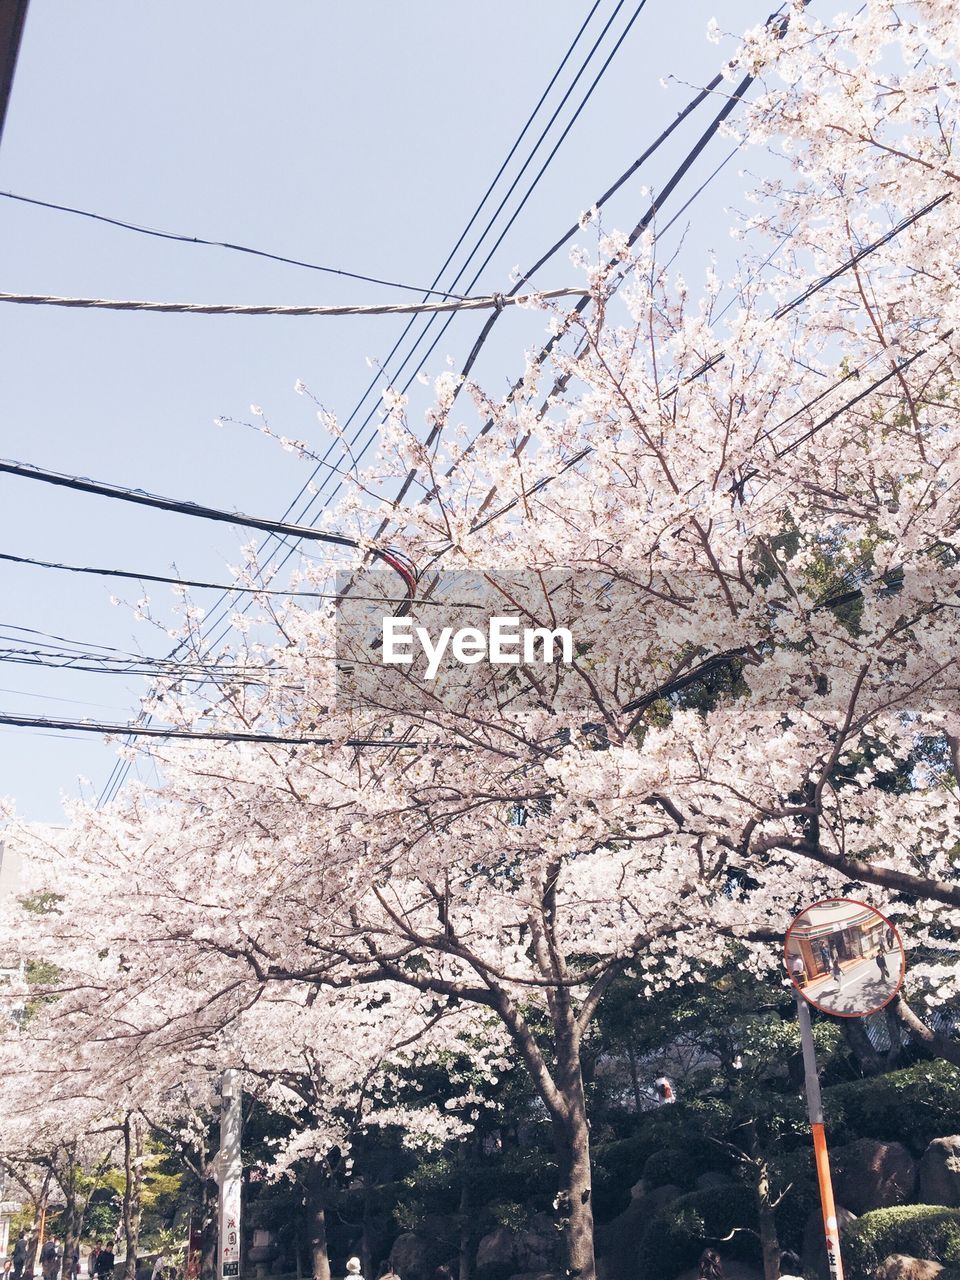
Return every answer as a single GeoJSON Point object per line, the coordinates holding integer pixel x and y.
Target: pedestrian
{"type": "Point", "coordinates": [92, 1257]}
{"type": "Point", "coordinates": [798, 971]}
{"type": "Point", "coordinates": [664, 1090]}
{"type": "Point", "coordinates": [835, 966]}
{"type": "Point", "coordinates": [789, 1266]}
{"type": "Point", "coordinates": [387, 1272]}
{"type": "Point", "coordinates": [50, 1258]}
{"type": "Point", "coordinates": [75, 1263]}
{"type": "Point", "coordinates": [443, 1272]}
{"type": "Point", "coordinates": [882, 965]}
{"type": "Point", "coordinates": [19, 1255]}
{"type": "Point", "coordinates": [354, 1271]}
{"type": "Point", "coordinates": [105, 1261]}
{"type": "Point", "coordinates": [710, 1267]}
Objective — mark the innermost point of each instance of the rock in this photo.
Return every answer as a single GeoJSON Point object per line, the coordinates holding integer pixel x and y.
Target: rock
{"type": "Point", "coordinates": [617, 1241]}
{"type": "Point", "coordinates": [940, 1173]}
{"type": "Point", "coordinates": [873, 1175]}
{"type": "Point", "coordinates": [411, 1257]}
{"type": "Point", "coordinates": [712, 1178]}
{"type": "Point", "coordinates": [899, 1267]}
{"type": "Point", "coordinates": [532, 1250]}
{"type": "Point", "coordinates": [813, 1257]}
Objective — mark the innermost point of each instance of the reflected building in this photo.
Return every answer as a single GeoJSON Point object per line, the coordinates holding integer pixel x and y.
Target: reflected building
{"type": "Point", "coordinates": [842, 931]}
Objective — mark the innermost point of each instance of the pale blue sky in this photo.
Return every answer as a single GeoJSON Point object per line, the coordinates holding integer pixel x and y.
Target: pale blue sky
{"type": "Point", "coordinates": [359, 135]}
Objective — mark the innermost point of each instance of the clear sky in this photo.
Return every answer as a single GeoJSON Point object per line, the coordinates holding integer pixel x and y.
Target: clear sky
{"type": "Point", "coordinates": [357, 135]}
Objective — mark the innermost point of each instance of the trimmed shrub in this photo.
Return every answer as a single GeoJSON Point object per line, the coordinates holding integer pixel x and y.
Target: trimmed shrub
{"type": "Point", "coordinates": [675, 1237]}
{"type": "Point", "coordinates": [672, 1167]}
{"type": "Point", "coordinates": [624, 1160]}
{"type": "Point", "coordinates": [912, 1106]}
{"type": "Point", "coordinates": [918, 1230]}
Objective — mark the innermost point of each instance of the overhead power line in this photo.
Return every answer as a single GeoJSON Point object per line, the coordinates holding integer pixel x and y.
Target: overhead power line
{"type": "Point", "coordinates": [135, 576]}
{"type": "Point", "coordinates": [221, 244]}
{"type": "Point", "coordinates": [158, 577]}
{"type": "Point", "coordinates": [494, 302]}
{"type": "Point", "coordinates": [196, 735]}
{"type": "Point", "coordinates": [121, 768]}
{"type": "Point", "coordinates": [718, 357]}
{"type": "Point", "coordinates": [140, 498]}
{"type": "Point", "coordinates": [348, 451]}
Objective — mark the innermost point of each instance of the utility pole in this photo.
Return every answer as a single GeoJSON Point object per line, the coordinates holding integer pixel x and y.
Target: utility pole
{"type": "Point", "coordinates": [831, 1228]}
{"type": "Point", "coordinates": [230, 1169]}
{"type": "Point", "coordinates": [13, 14]}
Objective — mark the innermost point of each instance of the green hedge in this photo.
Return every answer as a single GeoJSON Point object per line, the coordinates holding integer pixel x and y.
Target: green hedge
{"type": "Point", "coordinates": [616, 1167]}
{"type": "Point", "coordinates": [673, 1167]}
{"type": "Point", "coordinates": [676, 1236]}
{"type": "Point", "coordinates": [918, 1230]}
{"type": "Point", "coordinates": [912, 1106]}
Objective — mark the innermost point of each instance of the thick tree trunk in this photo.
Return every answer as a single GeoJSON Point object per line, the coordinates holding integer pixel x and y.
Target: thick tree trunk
{"type": "Point", "coordinates": [866, 1055]}
{"type": "Point", "coordinates": [71, 1212]}
{"type": "Point", "coordinates": [317, 1225]}
{"type": "Point", "coordinates": [766, 1221]}
{"type": "Point", "coordinates": [939, 1045]}
{"type": "Point", "coordinates": [132, 1189]}
{"type": "Point", "coordinates": [466, 1234]}
{"type": "Point", "coordinates": [366, 1249]}
{"type": "Point", "coordinates": [634, 1078]}
{"type": "Point", "coordinates": [575, 1201]}
{"type": "Point", "coordinates": [894, 1030]}
{"type": "Point", "coordinates": [769, 1240]}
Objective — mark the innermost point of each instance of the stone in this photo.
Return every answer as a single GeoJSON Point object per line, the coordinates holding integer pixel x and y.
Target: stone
{"type": "Point", "coordinates": [411, 1257]}
{"type": "Point", "coordinates": [617, 1241]}
{"type": "Point", "coordinates": [531, 1250]}
{"type": "Point", "coordinates": [813, 1256]}
{"type": "Point", "coordinates": [898, 1266]}
{"type": "Point", "coordinates": [940, 1173]}
{"type": "Point", "coordinates": [873, 1175]}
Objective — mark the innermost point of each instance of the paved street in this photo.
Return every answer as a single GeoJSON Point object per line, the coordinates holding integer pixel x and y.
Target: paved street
{"type": "Point", "coordinates": [861, 988]}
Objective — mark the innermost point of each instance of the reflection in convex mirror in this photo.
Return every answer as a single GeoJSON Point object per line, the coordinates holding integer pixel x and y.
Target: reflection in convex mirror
{"type": "Point", "coordinates": [844, 957]}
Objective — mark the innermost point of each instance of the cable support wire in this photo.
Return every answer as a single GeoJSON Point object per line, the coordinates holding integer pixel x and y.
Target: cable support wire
{"type": "Point", "coordinates": [222, 244]}
{"type": "Point", "coordinates": [141, 498]}
{"type": "Point", "coordinates": [495, 302]}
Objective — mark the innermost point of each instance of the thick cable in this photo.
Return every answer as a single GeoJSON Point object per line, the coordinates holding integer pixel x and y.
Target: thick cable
{"type": "Point", "coordinates": [140, 498]}
{"type": "Point", "coordinates": [156, 731]}
{"type": "Point", "coordinates": [493, 302]}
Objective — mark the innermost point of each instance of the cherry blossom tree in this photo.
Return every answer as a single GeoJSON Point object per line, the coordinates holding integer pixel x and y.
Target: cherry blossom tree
{"type": "Point", "coordinates": [743, 503]}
